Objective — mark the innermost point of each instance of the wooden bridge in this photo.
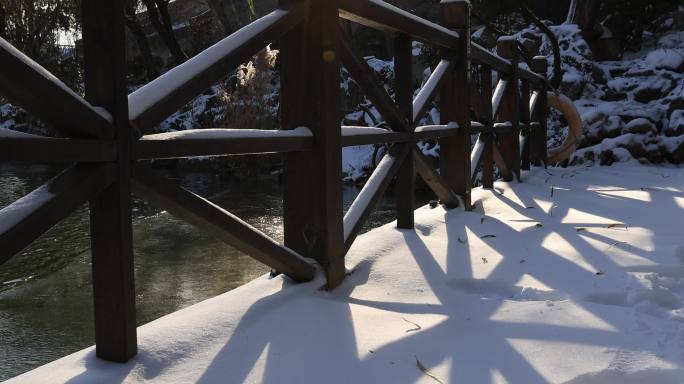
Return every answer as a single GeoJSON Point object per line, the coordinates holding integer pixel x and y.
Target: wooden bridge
{"type": "Point", "coordinates": [108, 135]}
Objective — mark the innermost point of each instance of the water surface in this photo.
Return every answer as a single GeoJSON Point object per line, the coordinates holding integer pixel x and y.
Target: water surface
{"type": "Point", "coordinates": [46, 294]}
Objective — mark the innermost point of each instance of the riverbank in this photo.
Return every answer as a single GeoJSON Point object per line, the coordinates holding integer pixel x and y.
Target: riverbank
{"type": "Point", "coordinates": [576, 275]}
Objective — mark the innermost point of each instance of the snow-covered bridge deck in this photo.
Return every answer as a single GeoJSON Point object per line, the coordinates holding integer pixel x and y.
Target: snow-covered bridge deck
{"type": "Point", "coordinates": [576, 275]}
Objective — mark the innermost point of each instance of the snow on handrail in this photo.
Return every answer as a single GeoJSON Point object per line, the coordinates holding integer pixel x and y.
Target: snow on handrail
{"type": "Point", "coordinates": [227, 133]}
{"type": "Point", "coordinates": [432, 128]}
{"type": "Point", "coordinates": [358, 131]}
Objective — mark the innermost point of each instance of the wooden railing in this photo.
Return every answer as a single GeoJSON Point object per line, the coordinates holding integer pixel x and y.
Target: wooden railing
{"type": "Point", "coordinates": [108, 135]}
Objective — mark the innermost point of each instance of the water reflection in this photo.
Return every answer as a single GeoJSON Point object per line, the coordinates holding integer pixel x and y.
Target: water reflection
{"type": "Point", "coordinates": [45, 293]}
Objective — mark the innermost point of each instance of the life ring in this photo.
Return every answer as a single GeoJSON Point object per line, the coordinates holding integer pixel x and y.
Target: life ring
{"type": "Point", "coordinates": [563, 104]}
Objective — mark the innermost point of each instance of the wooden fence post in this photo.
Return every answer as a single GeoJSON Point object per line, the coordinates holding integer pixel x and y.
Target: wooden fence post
{"type": "Point", "coordinates": [509, 143]}
{"type": "Point", "coordinates": [526, 129]}
{"type": "Point", "coordinates": [540, 114]}
{"type": "Point", "coordinates": [297, 166]}
{"type": "Point", "coordinates": [455, 103]}
{"type": "Point", "coordinates": [487, 162]}
{"type": "Point", "coordinates": [110, 213]}
{"type": "Point", "coordinates": [403, 85]}
{"type": "Point", "coordinates": [311, 98]}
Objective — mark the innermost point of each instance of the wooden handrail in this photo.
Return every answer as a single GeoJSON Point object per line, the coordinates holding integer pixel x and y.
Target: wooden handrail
{"type": "Point", "coordinates": [221, 142]}
{"type": "Point", "coordinates": [26, 219]}
{"type": "Point", "coordinates": [25, 83]}
{"type": "Point", "coordinates": [387, 17]}
{"type": "Point", "coordinates": [151, 104]}
{"type": "Point", "coordinates": [481, 55]}
{"type": "Point", "coordinates": [44, 149]}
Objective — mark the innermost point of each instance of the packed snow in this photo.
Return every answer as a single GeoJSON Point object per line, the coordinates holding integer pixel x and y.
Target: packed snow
{"type": "Point", "coordinates": [574, 276]}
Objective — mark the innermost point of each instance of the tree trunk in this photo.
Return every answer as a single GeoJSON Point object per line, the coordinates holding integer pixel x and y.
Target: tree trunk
{"type": "Point", "coordinates": [530, 17]}
{"type": "Point", "coordinates": [167, 24]}
{"type": "Point", "coordinates": [158, 14]}
{"type": "Point", "coordinates": [220, 12]}
{"type": "Point", "coordinates": [144, 46]}
{"type": "Point", "coordinates": [3, 22]}
{"type": "Point", "coordinates": [585, 15]}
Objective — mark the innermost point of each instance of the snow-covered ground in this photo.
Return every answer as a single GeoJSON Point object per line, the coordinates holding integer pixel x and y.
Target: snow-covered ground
{"type": "Point", "coordinates": [574, 276]}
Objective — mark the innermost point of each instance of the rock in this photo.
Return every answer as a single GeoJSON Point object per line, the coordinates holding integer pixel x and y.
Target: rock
{"type": "Point", "coordinates": [589, 156]}
{"type": "Point", "coordinates": [598, 75]}
{"type": "Point", "coordinates": [676, 126]}
{"type": "Point", "coordinates": [675, 105]}
{"type": "Point", "coordinates": [606, 157]}
{"type": "Point", "coordinates": [653, 155]}
{"type": "Point", "coordinates": [679, 19]}
{"type": "Point", "coordinates": [677, 156]}
{"type": "Point", "coordinates": [613, 95]}
{"type": "Point", "coordinates": [640, 126]}
{"type": "Point", "coordinates": [613, 126]}
{"type": "Point", "coordinates": [653, 90]}
{"type": "Point", "coordinates": [636, 149]}
{"type": "Point", "coordinates": [572, 86]}
{"type": "Point", "coordinates": [640, 72]}
{"type": "Point", "coordinates": [531, 46]}
{"type": "Point", "coordinates": [485, 37]}
{"type": "Point", "coordinates": [607, 49]}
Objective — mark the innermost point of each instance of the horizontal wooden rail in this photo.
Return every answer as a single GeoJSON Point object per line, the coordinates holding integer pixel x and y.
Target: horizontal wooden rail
{"type": "Point", "coordinates": [227, 227]}
{"type": "Point", "coordinates": [151, 104]}
{"type": "Point", "coordinates": [353, 136]}
{"type": "Point", "coordinates": [389, 18]}
{"type": "Point", "coordinates": [426, 132]}
{"type": "Point", "coordinates": [530, 76]}
{"type": "Point", "coordinates": [25, 83]}
{"type": "Point", "coordinates": [481, 55]}
{"type": "Point", "coordinates": [36, 148]}
{"type": "Point", "coordinates": [226, 142]}
{"type": "Point", "coordinates": [421, 103]}
{"type": "Point", "coordinates": [23, 221]}
{"type": "Point", "coordinates": [221, 142]}
{"type": "Point", "coordinates": [505, 127]}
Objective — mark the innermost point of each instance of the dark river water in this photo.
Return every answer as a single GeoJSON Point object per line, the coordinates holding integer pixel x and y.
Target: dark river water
{"type": "Point", "coordinates": [45, 292]}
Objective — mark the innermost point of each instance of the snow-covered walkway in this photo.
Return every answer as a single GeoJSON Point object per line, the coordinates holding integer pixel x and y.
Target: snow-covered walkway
{"type": "Point", "coordinates": [576, 275]}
